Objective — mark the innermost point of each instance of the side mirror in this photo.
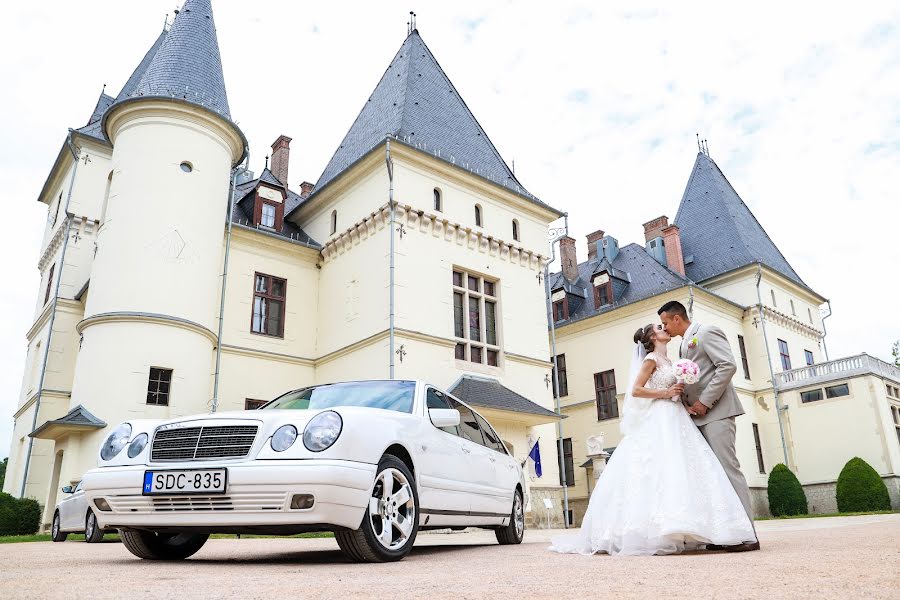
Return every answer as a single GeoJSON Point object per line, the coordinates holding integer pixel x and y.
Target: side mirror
{"type": "Point", "coordinates": [68, 489]}
{"type": "Point", "coordinates": [444, 417]}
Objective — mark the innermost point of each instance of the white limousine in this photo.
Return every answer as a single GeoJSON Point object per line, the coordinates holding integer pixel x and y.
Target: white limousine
{"type": "Point", "coordinates": [372, 461]}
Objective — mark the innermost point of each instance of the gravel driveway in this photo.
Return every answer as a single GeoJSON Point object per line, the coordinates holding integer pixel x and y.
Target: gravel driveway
{"type": "Point", "coordinates": [845, 557]}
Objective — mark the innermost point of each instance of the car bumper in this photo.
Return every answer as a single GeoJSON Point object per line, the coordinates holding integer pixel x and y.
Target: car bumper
{"type": "Point", "coordinates": [257, 497]}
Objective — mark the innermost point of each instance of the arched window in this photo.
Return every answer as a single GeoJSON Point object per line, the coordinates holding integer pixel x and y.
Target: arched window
{"type": "Point", "coordinates": [333, 222]}
{"type": "Point", "coordinates": [478, 215]}
{"type": "Point", "coordinates": [515, 230]}
{"type": "Point", "coordinates": [438, 204]}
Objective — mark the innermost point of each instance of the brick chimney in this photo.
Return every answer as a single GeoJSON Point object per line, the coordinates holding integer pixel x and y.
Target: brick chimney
{"type": "Point", "coordinates": [306, 189]}
{"type": "Point", "coordinates": [654, 229]}
{"type": "Point", "coordinates": [281, 153]}
{"type": "Point", "coordinates": [568, 259]}
{"type": "Point", "coordinates": [592, 239]}
{"type": "Point", "coordinates": [672, 242]}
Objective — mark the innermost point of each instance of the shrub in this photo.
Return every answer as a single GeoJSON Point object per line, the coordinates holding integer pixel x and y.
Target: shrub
{"type": "Point", "coordinates": [860, 489]}
{"type": "Point", "coordinates": [786, 495]}
{"type": "Point", "coordinates": [19, 516]}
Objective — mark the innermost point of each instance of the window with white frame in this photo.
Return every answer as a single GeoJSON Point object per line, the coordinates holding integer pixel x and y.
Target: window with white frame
{"type": "Point", "coordinates": [268, 215]}
{"type": "Point", "coordinates": [475, 316]}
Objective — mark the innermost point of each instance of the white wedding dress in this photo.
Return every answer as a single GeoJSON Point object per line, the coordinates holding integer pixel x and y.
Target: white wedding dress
{"type": "Point", "coordinates": [663, 490]}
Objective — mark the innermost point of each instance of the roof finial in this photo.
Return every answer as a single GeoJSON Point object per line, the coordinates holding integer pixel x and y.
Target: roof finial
{"type": "Point", "coordinates": [412, 21]}
{"type": "Point", "coordinates": [699, 145]}
{"type": "Point", "coordinates": [267, 161]}
{"type": "Point", "coordinates": [706, 146]}
{"type": "Point", "coordinates": [103, 91]}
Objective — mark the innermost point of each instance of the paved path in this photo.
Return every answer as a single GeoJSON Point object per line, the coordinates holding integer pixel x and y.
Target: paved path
{"type": "Point", "coordinates": [847, 557]}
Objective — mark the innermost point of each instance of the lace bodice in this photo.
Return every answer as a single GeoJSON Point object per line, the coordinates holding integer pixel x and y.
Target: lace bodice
{"type": "Point", "coordinates": [663, 377]}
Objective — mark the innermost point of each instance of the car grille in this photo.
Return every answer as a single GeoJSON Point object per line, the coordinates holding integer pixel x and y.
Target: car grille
{"type": "Point", "coordinates": [191, 443]}
{"type": "Point", "coordinates": [237, 502]}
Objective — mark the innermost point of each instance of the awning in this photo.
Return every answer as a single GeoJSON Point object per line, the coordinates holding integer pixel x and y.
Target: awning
{"type": "Point", "coordinates": [76, 420]}
{"type": "Point", "coordinates": [499, 401]}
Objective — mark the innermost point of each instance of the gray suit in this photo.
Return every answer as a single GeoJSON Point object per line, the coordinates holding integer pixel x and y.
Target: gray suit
{"type": "Point", "coordinates": [708, 346]}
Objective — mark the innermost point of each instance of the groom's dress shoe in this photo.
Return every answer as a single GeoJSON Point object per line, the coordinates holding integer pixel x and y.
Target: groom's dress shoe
{"type": "Point", "coordinates": [745, 547]}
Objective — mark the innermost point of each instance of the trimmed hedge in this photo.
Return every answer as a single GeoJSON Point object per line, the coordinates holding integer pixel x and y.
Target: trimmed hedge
{"type": "Point", "coordinates": [19, 516]}
{"type": "Point", "coordinates": [786, 497]}
{"type": "Point", "coordinates": [860, 489]}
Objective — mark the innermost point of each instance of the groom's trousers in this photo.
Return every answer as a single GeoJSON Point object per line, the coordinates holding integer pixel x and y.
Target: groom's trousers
{"type": "Point", "coordinates": [720, 437]}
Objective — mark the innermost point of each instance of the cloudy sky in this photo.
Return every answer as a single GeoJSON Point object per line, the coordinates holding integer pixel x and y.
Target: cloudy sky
{"type": "Point", "coordinates": [598, 106]}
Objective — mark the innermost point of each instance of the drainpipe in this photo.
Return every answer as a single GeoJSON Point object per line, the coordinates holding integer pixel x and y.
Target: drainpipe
{"type": "Point", "coordinates": [559, 438]}
{"type": "Point", "coordinates": [825, 331]}
{"type": "Point", "coordinates": [390, 169]}
{"type": "Point", "coordinates": [234, 174]}
{"type": "Point", "coordinates": [62, 261]}
{"type": "Point", "coordinates": [762, 320]}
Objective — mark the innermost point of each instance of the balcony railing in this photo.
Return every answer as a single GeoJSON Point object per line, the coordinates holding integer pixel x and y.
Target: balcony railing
{"type": "Point", "coordinates": [842, 368]}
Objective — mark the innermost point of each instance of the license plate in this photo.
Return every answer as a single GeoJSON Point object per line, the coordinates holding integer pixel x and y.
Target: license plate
{"type": "Point", "coordinates": [193, 481]}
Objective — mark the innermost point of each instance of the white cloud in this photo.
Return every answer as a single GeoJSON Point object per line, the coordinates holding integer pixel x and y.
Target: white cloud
{"type": "Point", "coordinates": [598, 106]}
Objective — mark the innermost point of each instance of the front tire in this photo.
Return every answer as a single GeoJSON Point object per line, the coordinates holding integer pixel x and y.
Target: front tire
{"type": "Point", "coordinates": [389, 528]}
{"type": "Point", "coordinates": [55, 533]}
{"type": "Point", "coordinates": [93, 534]}
{"type": "Point", "coordinates": [160, 546]}
{"type": "Point", "coordinates": [515, 530]}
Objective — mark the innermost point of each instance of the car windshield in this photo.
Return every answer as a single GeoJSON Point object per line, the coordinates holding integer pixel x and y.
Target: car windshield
{"type": "Point", "coordinates": [389, 395]}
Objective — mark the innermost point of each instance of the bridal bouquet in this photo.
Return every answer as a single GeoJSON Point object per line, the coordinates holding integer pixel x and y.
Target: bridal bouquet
{"type": "Point", "coordinates": [686, 372]}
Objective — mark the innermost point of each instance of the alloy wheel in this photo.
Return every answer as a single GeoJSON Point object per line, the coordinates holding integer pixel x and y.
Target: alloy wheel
{"type": "Point", "coordinates": [392, 510]}
{"type": "Point", "coordinates": [519, 516]}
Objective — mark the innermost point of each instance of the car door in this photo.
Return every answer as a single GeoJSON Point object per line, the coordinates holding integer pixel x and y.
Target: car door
{"type": "Point", "coordinates": [503, 482]}
{"type": "Point", "coordinates": [68, 518]}
{"type": "Point", "coordinates": [480, 470]}
{"type": "Point", "coordinates": [444, 486]}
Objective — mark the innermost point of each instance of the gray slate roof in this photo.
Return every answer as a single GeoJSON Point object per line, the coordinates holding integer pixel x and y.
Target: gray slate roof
{"type": "Point", "coordinates": [243, 209]}
{"type": "Point", "coordinates": [78, 417]}
{"type": "Point", "coordinates": [490, 393]}
{"type": "Point", "coordinates": [719, 230]}
{"type": "Point", "coordinates": [647, 278]}
{"type": "Point", "coordinates": [131, 85]}
{"type": "Point", "coordinates": [187, 64]}
{"type": "Point", "coordinates": [416, 103]}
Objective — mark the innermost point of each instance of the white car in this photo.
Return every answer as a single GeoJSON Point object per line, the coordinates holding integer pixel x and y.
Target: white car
{"type": "Point", "coordinates": [372, 461]}
{"type": "Point", "coordinates": [72, 515]}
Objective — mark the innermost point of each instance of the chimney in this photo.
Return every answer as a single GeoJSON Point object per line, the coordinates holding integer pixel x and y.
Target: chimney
{"type": "Point", "coordinates": [672, 243]}
{"type": "Point", "coordinates": [568, 259]}
{"type": "Point", "coordinates": [306, 189]}
{"type": "Point", "coordinates": [654, 229]}
{"type": "Point", "coordinates": [592, 239]}
{"type": "Point", "coordinates": [281, 153]}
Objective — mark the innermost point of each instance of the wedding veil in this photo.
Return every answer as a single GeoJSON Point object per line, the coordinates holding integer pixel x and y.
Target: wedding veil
{"type": "Point", "coordinates": [634, 408]}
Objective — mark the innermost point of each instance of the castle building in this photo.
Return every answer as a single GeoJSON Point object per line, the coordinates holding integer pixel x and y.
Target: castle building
{"type": "Point", "coordinates": [800, 408]}
{"type": "Point", "coordinates": [148, 206]}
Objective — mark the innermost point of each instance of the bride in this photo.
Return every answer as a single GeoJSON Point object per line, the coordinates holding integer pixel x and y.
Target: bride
{"type": "Point", "coordinates": [663, 490]}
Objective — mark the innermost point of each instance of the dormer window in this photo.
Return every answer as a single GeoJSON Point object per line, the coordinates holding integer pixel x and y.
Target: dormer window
{"type": "Point", "coordinates": [561, 310]}
{"type": "Point", "coordinates": [268, 216]}
{"type": "Point", "coordinates": [603, 290]}
{"type": "Point", "coordinates": [438, 203]}
{"type": "Point", "coordinates": [268, 211]}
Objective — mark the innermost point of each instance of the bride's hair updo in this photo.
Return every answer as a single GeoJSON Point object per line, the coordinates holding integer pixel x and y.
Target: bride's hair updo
{"type": "Point", "coordinates": [644, 336]}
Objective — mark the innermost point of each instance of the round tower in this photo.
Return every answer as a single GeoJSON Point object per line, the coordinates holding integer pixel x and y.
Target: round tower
{"type": "Point", "coordinates": [148, 333]}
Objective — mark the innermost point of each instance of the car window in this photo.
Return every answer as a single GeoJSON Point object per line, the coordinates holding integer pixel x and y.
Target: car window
{"type": "Point", "coordinates": [435, 399]}
{"type": "Point", "coordinates": [77, 488]}
{"type": "Point", "coordinates": [389, 395]}
{"type": "Point", "coordinates": [468, 426]}
{"type": "Point", "coordinates": [492, 440]}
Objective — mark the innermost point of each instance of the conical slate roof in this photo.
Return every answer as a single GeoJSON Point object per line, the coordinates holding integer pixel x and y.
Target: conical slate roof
{"type": "Point", "coordinates": [719, 231]}
{"type": "Point", "coordinates": [416, 103]}
{"type": "Point", "coordinates": [187, 64]}
{"type": "Point", "coordinates": [131, 85]}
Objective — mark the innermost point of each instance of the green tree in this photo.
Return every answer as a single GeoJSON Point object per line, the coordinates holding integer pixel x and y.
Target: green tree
{"type": "Point", "coordinates": [860, 489]}
{"type": "Point", "coordinates": [3, 471]}
{"type": "Point", "coordinates": [786, 495]}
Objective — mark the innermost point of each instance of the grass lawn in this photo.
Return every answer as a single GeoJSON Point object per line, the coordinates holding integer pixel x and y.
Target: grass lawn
{"type": "Point", "coordinates": [112, 537]}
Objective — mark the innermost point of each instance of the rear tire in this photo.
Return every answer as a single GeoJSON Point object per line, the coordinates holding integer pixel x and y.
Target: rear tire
{"type": "Point", "coordinates": [55, 533]}
{"type": "Point", "coordinates": [92, 532]}
{"type": "Point", "coordinates": [391, 522]}
{"type": "Point", "coordinates": [160, 546]}
{"type": "Point", "coordinates": [515, 530]}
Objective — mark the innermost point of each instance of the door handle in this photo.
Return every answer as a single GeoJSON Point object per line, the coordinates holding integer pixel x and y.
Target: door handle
{"type": "Point", "coordinates": [466, 450]}
{"type": "Point", "coordinates": [493, 459]}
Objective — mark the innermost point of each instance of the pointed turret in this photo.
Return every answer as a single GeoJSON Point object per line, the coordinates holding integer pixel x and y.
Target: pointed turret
{"type": "Point", "coordinates": [133, 81]}
{"type": "Point", "coordinates": [416, 103]}
{"type": "Point", "coordinates": [718, 231]}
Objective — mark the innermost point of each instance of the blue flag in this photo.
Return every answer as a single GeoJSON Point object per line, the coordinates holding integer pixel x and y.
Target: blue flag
{"type": "Point", "coordinates": [535, 455]}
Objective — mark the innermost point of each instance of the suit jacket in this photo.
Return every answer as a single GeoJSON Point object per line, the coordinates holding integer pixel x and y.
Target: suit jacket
{"type": "Point", "coordinates": [707, 346]}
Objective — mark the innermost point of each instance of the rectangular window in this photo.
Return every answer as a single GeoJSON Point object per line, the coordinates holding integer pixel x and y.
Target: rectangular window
{"type": "Point", "coordinates": [605, 389]}
{"type": "Point", "coordinates": [759, 458]}
{"type": "Point", "coordinates": [785, 355]}
{"type": "Point", "coordinates": [159, 386]}
{"type": "Point", "coordinates": [561, 373]}
{"type": "Point", "coordinates": [810, 360]}
{"type": "Point", "coordinates": [567, 463]}
{"type": "Point", "coordinates": [268, 216]}
{"type": "Point", "coordinates": [49, 283]}
{"type": "Point", "coordinates": [744, 363]}
{"type": "Point", "coordinates": [561, 310]}
{"type": "Point", "coordinates": [475, 319]}
{"type": "Point", "coordinates": [811, 395]}
{"type": "Point", "coordinates": [251, 404]}
{"type": "Point", "coordinates": [836, 391]}
{"type": "Point", "coordinates": [605, 296]}
{"type": "Point", "coordinates": [268, 305]}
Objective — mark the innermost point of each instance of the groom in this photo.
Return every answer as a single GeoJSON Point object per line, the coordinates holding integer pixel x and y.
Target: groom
{"type": "Point", "coordinates": [712, 401]}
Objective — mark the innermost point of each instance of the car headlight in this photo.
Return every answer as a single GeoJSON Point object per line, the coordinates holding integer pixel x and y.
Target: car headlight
{"type": "Point", "coordinates": [284, 438]}
{"type": "Point", "coordinates": [115, 442]}
{"type": "Point", "coordinates": [137, 445]}
{"type": "Point", "coordinates": [322, 431]}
